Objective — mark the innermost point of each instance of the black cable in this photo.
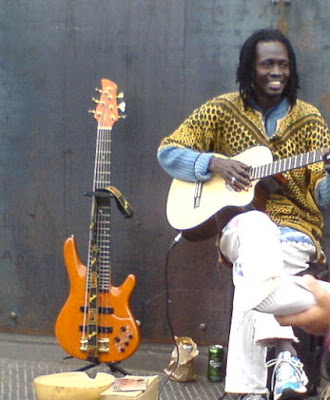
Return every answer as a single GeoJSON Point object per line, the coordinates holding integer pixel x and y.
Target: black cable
{"type": "Point", "coordinates": [168, 318]}
{"type": "Point", "coordinates": [325, 364]}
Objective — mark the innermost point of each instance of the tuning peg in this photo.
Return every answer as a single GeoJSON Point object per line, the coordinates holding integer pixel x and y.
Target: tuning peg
{"type": "Point", "coordinates": [94, 112]}
{"type": "Point", "coordinates": [122, 106]}
{"type": "Point", "coordinates": [122, 116]}
{"type": "Point", "coordinates": [120, 95]}
{"type": "Point", "coordinates": [98, 101]}
{"type": "Point", "coordinates": [98, 90]}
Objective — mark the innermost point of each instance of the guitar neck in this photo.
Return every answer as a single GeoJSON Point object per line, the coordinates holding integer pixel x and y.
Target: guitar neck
{"type": "Point", "coordinates": [100, 235]}
{"type": "Point", "coordinates": [100, 228]}
{"type": "Point", "coordinates": [286, 164]}
{"type": "Point", "coordinates": [102, 170]}
{"type": "Point", "coordinates": [106, 114]}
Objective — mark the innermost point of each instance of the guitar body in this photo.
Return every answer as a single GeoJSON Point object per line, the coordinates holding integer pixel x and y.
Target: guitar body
{"type": "Point", "coordinates": [217, 198]}
{"type": "Point", "coordinates": [124, 336]}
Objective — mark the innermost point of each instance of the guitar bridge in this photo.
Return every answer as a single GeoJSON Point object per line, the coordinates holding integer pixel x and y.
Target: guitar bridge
{"type": "Point", "coordinates": [104, 345]}
{"type": "Point", "coordinates": [84, 344]}
{"type": "Point", "coordinates": [198, 193]}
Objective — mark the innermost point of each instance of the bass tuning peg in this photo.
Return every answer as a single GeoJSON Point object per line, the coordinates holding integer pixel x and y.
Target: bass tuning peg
{"type": "Point", "coordinates": [122, 106]}
{"type": "Point", "coordinates": [97, 101]}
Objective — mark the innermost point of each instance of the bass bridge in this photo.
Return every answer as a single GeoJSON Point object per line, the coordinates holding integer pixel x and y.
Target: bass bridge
{"type": "Point", "coordinates": [92, 343]}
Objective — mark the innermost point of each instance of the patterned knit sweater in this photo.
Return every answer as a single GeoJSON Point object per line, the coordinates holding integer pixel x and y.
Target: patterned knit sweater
{"type": "Point", "coordinates": [223, 126]}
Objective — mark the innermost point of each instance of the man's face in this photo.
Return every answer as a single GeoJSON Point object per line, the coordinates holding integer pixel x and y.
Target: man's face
{"type": "Point", "coordinates": [272, 72]}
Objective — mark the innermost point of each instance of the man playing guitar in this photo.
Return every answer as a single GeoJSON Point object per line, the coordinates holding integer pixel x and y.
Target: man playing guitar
{"type": "Point", "coordinates": [269, 245]}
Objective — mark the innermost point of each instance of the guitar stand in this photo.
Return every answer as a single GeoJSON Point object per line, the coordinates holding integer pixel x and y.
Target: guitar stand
{"type": "Point", "coordinates": [114, 367]}
{"type": "Point", "coordinates": [110, 192]}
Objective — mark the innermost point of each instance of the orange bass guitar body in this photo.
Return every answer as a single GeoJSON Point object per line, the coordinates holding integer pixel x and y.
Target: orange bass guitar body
{"type": "Point", "coordinates": [117, 331]}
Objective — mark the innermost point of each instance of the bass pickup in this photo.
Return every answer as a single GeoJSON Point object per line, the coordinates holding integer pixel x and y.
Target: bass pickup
{"type": "Point", "coordinates": [101, 310]}
{"type": "Point", "coordinates": [100, 329]}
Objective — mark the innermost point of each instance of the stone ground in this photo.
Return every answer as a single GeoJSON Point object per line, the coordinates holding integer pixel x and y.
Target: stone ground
{"type": "Point", "coordinates": [25, 357]}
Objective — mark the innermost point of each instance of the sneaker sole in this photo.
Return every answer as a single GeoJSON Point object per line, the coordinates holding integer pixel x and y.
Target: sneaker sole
{"type": "Point", "coordinates": [291, 394]}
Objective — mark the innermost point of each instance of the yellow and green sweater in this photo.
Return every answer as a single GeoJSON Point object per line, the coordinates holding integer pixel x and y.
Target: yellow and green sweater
{"type": "Point", "coordinates": [223, 126]}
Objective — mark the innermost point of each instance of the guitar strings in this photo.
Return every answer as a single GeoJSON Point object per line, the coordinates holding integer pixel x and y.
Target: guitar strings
{"type": "Point", "coordinates": [286, 164]}
{"type": "Point", "coordinates": [104, 222]}
{"type": "Point", "coordinates": [100, 222]}
{"type": "Point", "coordinates": [85, 330]}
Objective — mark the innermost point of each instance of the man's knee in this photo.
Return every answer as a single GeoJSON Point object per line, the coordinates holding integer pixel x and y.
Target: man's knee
{"type": "Point", "coordinates": [254, 219]}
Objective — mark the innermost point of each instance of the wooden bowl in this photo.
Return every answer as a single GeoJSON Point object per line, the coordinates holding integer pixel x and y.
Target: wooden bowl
{"type": "Point", "coordinates": [71, 386]}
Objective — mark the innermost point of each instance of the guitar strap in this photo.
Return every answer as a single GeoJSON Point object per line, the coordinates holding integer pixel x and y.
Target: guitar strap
{"type": "Point", "coordinates": [122, 203]}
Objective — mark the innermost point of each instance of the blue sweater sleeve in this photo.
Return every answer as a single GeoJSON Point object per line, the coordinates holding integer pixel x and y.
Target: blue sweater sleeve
{"type": "Point", "coordinates": [185, 164]}
{"type": "Point", "coordinates": [323, 193]}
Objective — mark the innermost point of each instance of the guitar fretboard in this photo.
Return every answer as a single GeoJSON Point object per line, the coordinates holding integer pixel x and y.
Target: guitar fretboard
{"type": "Point", "coordinates": [100, 230]}
{"type": "Point", "coordinates": [286, 164]}
{"type": "Point", "coordinates": [102, 169]}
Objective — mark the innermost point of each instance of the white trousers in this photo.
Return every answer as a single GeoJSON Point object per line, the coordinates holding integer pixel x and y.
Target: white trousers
{"type": "Point", "coordinates": [251, 241]}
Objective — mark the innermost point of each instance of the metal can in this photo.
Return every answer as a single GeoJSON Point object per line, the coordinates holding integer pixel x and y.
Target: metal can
{"type": "Point", "coordinates": [188, 347]}
{"type": "Point", "coordinates": [215, 363]}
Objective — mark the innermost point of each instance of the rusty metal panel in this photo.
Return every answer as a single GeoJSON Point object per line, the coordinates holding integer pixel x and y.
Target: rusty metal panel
{"type": "Point", "coordinates": [168, 57]}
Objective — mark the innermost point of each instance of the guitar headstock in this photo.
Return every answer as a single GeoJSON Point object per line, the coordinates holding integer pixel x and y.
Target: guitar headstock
{"type": "Point", "coordinates": [108, 110]}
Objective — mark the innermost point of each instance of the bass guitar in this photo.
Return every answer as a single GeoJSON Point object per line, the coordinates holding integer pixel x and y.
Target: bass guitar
{"type": "Point", "coordinates": [96, 323]}
{"type": "Point", "coordinates": [201, 209]}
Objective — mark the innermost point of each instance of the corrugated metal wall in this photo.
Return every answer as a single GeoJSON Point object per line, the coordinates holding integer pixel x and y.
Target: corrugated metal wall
{"type": "Point", "coordinates": [168, 56]}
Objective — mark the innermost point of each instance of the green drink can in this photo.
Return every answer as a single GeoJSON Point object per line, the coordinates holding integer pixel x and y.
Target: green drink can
{"type": "Point", "coordinates": [215, 363]}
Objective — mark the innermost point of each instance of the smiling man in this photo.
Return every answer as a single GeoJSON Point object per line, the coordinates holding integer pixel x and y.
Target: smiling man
{"type": "Point", "coordinates": [268, 245]}
{"type": "Point", "coordinates": [272, 73]}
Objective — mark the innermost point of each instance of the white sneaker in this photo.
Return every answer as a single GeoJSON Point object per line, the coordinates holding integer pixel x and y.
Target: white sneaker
{"type": "Point", "coordinates": [289, 379]}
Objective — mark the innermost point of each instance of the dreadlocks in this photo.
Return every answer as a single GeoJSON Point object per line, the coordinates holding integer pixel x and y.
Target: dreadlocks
{"type": "Point", "coordinates": [246, 70]}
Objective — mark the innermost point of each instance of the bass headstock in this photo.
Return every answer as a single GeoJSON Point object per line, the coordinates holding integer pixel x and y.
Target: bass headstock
{"type": "Point", "coordinates": [108, 111]}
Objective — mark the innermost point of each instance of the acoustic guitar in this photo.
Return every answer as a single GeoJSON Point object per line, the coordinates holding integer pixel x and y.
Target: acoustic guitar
{"type": "Point", "coordinates": [201, 209]}
{"type": "Point", "coordinates": [96, 323]}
